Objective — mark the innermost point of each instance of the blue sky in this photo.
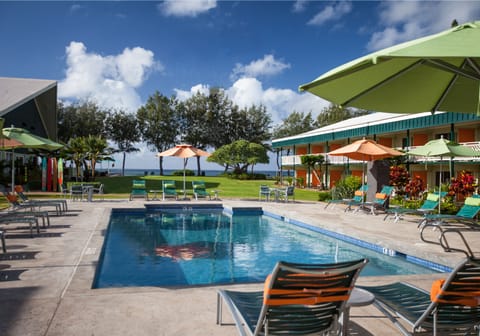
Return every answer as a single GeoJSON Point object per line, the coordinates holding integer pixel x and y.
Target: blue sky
{"type": "Point", "coordinates": [118, 53]}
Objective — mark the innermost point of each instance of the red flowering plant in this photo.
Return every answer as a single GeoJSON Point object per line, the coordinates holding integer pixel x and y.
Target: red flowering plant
{"type": "Point", "coordinates": [415, 188]}
{"type": "Point", "coordinates": [463, 185]}
{"type": "Point", "coordinates": [399, 178]}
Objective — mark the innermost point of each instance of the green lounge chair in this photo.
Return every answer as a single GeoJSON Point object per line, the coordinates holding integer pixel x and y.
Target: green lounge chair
{"type": "Point", "coordinates": [169, 190]}
{"type": "Point", "coordinates": [381, 201]}
{"type": "Point", "coordinates": [138, 189]}
{"type": "Point", "coordinates": [358, 196]}
{"type": "Point", "coordinates": [467, 214]}
{"type": "Point", "coordinates": [453, 303]}
{"type": "Point", "coordinates": [299, 299]}
{"type": "Point", "coordinates": [429, 206]}
{"type": "Point", "coordinates": [199, 190]}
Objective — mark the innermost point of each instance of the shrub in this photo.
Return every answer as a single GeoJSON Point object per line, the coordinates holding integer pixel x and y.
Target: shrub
{"type": "Point", "coordinates": [345, 188]}
{"type": "Point", "coordinates": [324, 196]}
{"type": "Point", "coordinates": [188, 172]}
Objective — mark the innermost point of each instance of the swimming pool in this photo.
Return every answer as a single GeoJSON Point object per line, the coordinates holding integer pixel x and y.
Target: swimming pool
{"type": "Point", "coordinates": [203, 246]}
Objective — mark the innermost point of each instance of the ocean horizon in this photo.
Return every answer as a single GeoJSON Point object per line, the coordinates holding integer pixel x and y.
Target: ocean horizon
{"type": "Point", "coordinates": [166, 172]}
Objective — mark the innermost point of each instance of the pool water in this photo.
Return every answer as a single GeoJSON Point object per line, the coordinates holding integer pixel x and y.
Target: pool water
{"type": "Point", "coordinates": [172, 248]}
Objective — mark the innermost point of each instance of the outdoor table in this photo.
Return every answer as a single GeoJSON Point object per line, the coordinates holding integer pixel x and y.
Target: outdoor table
{"type": "Point", "coordinates": [88, 189]}
{"type": "Point", "coordinates": [155, 194]}
{"type": "Point", "coordinates": [276, 193]}
{"type": "Point", "coordinates": [358, 298]}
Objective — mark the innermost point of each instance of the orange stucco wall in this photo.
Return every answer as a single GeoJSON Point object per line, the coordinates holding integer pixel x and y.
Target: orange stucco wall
{"type": "Point", "coordinates": [385, 141]}
{"type": "Point", "coordinates": [302, 173]}
{"type": "Point", "coordinates": [335, 146]}
{"type": "Point", "coordinates": [317, 149]}
{"type": "Point", "coordinates": [420, 139]}
{"type": "Point", "coordinates": [466, 135]}
{"type": "Point", "coordinates": [301, 151]}
{"type": "Point", "coordinates": [335, 175]}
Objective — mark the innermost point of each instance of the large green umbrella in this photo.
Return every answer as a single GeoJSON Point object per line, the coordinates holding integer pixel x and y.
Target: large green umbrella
{"type": "Point", "coordinates": [443, 148]}
{"type": "Point", "coordinates": [439, 72]}
{"type": "Point", "coordinates": [25, 139]}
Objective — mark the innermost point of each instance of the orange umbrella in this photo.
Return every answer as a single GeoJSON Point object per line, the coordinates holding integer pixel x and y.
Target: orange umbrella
{"type": "Point", "coordinates": [184, 151]}
{"type": "Point", "coordinates": [365, 150]}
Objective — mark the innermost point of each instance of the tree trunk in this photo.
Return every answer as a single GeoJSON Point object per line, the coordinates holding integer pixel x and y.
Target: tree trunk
{"type": "Point", "coordinates": [198, 166]}
{"type": "Point", "coordinates": [160, 165]}
{"type": "Point", "coordinates": [123, 163]}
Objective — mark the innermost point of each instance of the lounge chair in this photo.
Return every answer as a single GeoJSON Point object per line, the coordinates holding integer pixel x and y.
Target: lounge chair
{"type": "Point", "coordinates": [2, 238]}
{"type": "Point", "coordinates": [13, 217]}
{"type": "Point", "coordinates": [430, 205]}
{"type": "Point", "coordinates": [169, 190]}
{"type": "Point", "coordinates": [358, 196]}
{"type": "Point", "coordinates": [298, 299]}
{"type": "Point", "coordinates": [453, 304]}
{"type": "Point", "coordinates": [264, 192]}
{"type": "Point", "coordinates": [138, 189]}
{"type": "Point", "coordinates": [30, 207]}
{"type": "Point", "coordinates": [467, 214]}
{"type": "Point", "coordinates": [381, 201]}
{"type": "Point", "coordinates": [199, 190]}
{"type": "Point", "coordinates": [99, 191]}
{"type": "Point", "coordinates": [54, 202]}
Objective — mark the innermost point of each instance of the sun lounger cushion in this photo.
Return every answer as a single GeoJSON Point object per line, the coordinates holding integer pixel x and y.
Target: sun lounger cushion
{"type": "Point", "coordinates": [169, 185]}
{"type": "Point", "coordinates": [381, 196]}
{"type": "Point", "coordinates": [137, 185]}
{"type": "Point", "coordinates": [432, 197]}
{"type": "Point", "coordinates": [472, 201]}
{"type": "Point", "coordinates": [11, 198]}
{"type": "Point", "coordinates": [359, 193]}
{"type": "Point", "coordinates": [469, 299]}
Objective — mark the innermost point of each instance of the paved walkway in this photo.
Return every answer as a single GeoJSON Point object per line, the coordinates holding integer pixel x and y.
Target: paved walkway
{"type": "Point", "coordinates": [45, 286]}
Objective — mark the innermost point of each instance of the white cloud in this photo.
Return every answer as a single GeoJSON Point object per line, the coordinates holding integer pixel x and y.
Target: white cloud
{"type": "Point", "coordinates": [190, 8]}
{"type": "Point", "coordinates": [401, 21]}
{"type": "Point", "coordinates": [267, 66]}
{"type": "Point", "coordinates": [299, 6]}
{"type": "Point", "coordinates": [110, 81]}
{"type": "Point", "coordinates": [279, 103]}
{"type": "Point", "coordinates": [331, 13]}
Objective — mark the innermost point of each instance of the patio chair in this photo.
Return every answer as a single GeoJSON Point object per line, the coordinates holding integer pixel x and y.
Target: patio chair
{"type": "Point", "coordinates": [264, 192]}
{"type": "Point", "coordinates": [53, 202]}
{"type": "Point", "coordinates": [76, 192]}
{"type": "Point", "coordinates": [12, 217]}
{"type": "Point", "coordinates": [382, 200]}
{"type": "Point", "coordinates": [285, 193]}
{"type": "Point", "coordinates": [138, 189]}
{"type": "Point", "coordinates": [199, 190]}
{"type": "Point", "coordinates": [298, 299]}
{"type": "Point", "coordinates": [430, 205]}
{"type": "Point", "coordinates": [467, 214]}
{"type": "Point", "coordinates": [452, 304]}
{"type": "Point", "coordinates": [99, 191]}
{"type": "Point", "coordinates": [29, 207]}
{"type": "Point", "coordinates": [358, 196]}
{"type": "Point", "coordinates": [169, 190]}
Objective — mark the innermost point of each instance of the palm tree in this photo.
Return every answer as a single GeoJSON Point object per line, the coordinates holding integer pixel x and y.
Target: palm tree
{"type": "Point", "coordinates": [97, 149]}
{"type": "Point", "coordinates": [76, 152]}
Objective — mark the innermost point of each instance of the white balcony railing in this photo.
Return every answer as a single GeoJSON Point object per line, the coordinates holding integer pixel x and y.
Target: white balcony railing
{"type": "Point", "coordinates": [295, 160]}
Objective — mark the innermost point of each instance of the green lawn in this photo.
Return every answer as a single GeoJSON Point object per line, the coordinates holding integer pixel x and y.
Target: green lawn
{"type": "Point", "coordinates": [228, 188]}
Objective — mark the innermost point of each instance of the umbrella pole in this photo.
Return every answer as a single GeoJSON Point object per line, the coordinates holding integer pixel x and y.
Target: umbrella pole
{"type": "Point", "coordinates": [440, 187]}
{"type": "Point", "coordinates": [13, 170]}
{"type": "Point", "coordinates": [184, 187]}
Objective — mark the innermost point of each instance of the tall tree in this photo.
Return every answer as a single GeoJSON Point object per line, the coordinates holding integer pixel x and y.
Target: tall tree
{"type": "Point", "coordinates": [80, 120]}
{"type": "Point", "coordinates": [97, 149]}
{"type": "Point", "coordinates": [76, 151]}
{"type": "Point", "coordinates": [335, 113]}
{"type": "Point", "coordinates": [240, 155]}
{"type": "Point", "coordinates": [123, 130]}
{"type": "Point", "coordinates": [159, 123]}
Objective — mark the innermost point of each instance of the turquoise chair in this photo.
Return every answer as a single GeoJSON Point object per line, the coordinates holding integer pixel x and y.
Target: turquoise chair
{"type": "Point", "coordinates": [359, 196]}
{"type": "Point", "coordinates": [169, 189]}
{"type": "Point", "coordinates": [199, 190]}
{"type": "Point", "coordinates": [451, 305]}
{"type": "Point", "coordinates": [298, 299]}
{"type": "Point", "coordinates": [138, 189]}
{"type": "Point", "coordinates": [430, 205]}
{"type": "Point", "coordinates": [467, 214]}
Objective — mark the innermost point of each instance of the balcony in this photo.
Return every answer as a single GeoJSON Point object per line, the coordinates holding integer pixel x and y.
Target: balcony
{"type": "Point", "coordinates": [295, 160]}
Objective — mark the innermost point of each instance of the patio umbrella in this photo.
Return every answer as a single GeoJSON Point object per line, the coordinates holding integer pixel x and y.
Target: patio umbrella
{"type": "Point", "coordinates": [440, 72]}
{"type": "Point", "coordinates": [184, 151]}
{"type": "Point", "coordinates": [443, 148]}
{"type": "Point", "coordinates": [25, 139]}
{"type": "Point", "coordinates": [365, 150]}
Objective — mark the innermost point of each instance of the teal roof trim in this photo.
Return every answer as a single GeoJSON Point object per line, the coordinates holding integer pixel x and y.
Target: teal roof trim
{"type": "Point", "coordinates": [435, 120]}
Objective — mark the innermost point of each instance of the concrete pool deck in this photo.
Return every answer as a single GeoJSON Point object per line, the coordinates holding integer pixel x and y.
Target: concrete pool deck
{"type": "Point", "coordinates": [45, 286]}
